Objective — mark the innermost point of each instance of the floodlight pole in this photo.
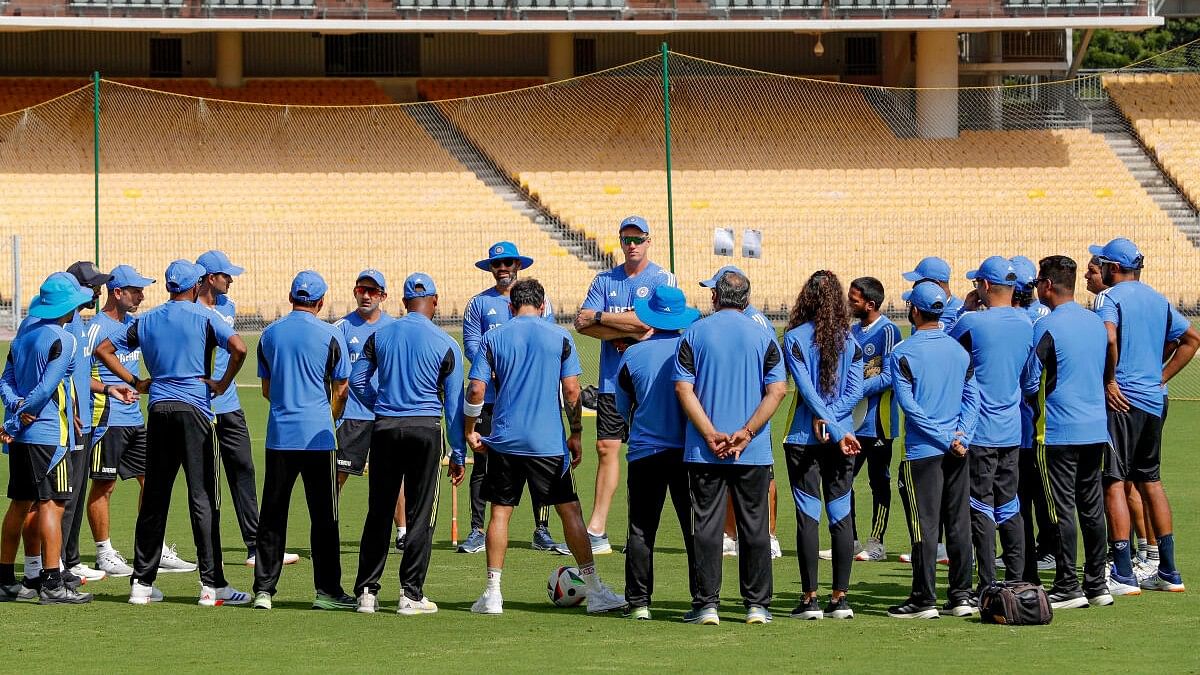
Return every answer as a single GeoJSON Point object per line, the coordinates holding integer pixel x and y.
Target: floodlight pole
{"type": "Point", "coordinates": [667, 138]}
{"type": "Point", "coordinates": [96, 157]}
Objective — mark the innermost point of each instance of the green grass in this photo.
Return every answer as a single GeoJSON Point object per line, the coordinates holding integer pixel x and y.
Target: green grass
{"type": "Point", "coordinates": [534, 635]}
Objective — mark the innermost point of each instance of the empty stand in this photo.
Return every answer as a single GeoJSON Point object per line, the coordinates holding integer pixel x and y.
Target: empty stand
{"type": "Point", "coordinates": [436, 89]}
{"type": "Point", "coordinates": [1164, 109]}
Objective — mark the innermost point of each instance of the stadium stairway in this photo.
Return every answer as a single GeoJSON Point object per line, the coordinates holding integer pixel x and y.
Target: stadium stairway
{"type": "Point", "coordinates": [449, 136]}
{"type": "Point", "coordinates": [1110, 123]}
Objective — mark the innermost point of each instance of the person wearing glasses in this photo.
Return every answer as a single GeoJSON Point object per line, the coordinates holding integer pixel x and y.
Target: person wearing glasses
{"type": "Point", "coordinates": [607, 315]}
{"type": "Point", "coordinates": [486, 311]}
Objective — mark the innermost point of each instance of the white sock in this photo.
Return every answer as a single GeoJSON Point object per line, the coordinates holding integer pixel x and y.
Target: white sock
{"type": "Point", "coordinates": [590, 577]}
{"type": "Point", "coordinates": [493, 578]}
{"type": "Point", "coordinates": [401, 531]}
{"type": "Point", "coordinates": [33, 566]}
{"type": "Point", "coordinates": [103, 546]}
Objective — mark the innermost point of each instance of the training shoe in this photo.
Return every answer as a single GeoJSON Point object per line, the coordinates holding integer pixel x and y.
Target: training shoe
{"type": "Point", "coordinates": [288, 559]}
{"type": "Point", "coordinates": [827, 553]}
{"type": "Point", "coordinates": [410, 607]}
{"type": "Point", "coordinates": [491, 602]}
{"type": "Point", "coordinates": [30, 587]}
{"type": "Point", "coordinates": [1164, 581]}
{"type": "Point", "coordinates": [906, 558]}
{"type": "Point", "coordinates": [838, 609]}
{"type": "Point", "coordinates": [706, 616]}
{"type": "Point", "coordinates": [225, 595]}
{"type": "Point", "coordinates": [171, 562]}
{"type": "Point", "coordinates": [909, 610]}
{"type": "Point", "coordinates": [142, 594]}
{"type": "Point", "coordinates": [71, 581]}
{"type": "Point", "coordinates": [62, 596]}
{"type": "Point", "coordinates": [400, 540]}
{"type": "Point", "coordinates": [474, 543]}
{"type": "Point", "coordinates": [112, 563]}
{"type": "Point", "coordinates": [1143, 570]}
{"type": "Point", "coordinates": [542, 541]}
{"type": "Point", "coordinates": [809, 610]}
{"type": "Point", "coordinates": [368, 602]}
{"type": "Point", "coordinates": [961, 607]}
{"type": "Point", "coordinates": [1120, 585]}
{"type": "Point", "coordinates": [1067, 600]}
{"type": "Point", "coordinates": [262, 600]}
{"type": "Point", "coordinates": [776, 550]}
{"type": "Point", "coordinates": [1102, 600]}
{"type": "Point", "coordinates": [17, 591]}
{"type": "Point", "coordinates": [872, 552]}
{"type": "Point", "coordinates": [603, 600]}
{"type": "Point", "coordinates": [943, 558]}
{"type": "Point", "coordinates": [639, 613]}
{"type": "Point", "coordinates": [599, 542]}
{"type": "Point", "coordinates": [329, 601]}
{"type": "Point", "coordinates": [757, 615]}
{"type": "Point", "coordinates": [1046, 563]}
{"type": "Point", "coordinates": [87, 573]}
{"type": "Point", "coordinates": [729, 547]}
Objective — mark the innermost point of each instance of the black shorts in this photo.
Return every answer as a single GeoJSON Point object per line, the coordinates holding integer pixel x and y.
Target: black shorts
{"type": "Point", "coordinates": [354, 446]}
{"type": "Point", "coordinates": [31, 477]}
{"type": "Point", "coordinates": [548, 483]}
{"type": "Point", "coordinates": [610, 426]}
{"type": "Point", "coordinates": [1136, 445]}
{"type": "Point", "coordinates": [121, 453]}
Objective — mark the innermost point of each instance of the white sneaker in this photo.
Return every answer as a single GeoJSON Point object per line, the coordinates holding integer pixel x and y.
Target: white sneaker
{"type": "Point", "coordinates": [367, 603]}
{"type": "Point", "coordinates": [1102, 600]}
{"type": "Point", "coordinates": [943, 558]}
{"type": "Point", "coordinates": [171, 562]}
{"type": "Point", "coordinates": [288, 559]}
{"type": "Point", "coordinates": [141, 594]}
{"type": "Point", "coordinates": [491, 602]}
{"type": "Point", "coordinates": [410, 607]}
{"type": "Point", "coordinates": [729, 547]}
{"type": "Point", "coordinates": [226, 595]}
{"type": "Point", "coordinates": [827, 553]}
{"type": "Point", "coordinates": [87, 573]}
{"type": "Point", "coordinates": [776, 550]}
{"type": "Point", "coordinates": [603, 599]}
{"type": "Point", "coordinates": [1144, 570]}
{"type": "Point", "coordinates": [113, 563]}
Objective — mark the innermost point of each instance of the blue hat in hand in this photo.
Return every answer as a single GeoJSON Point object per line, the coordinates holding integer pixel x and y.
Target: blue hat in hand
{"type": "Point", "coordinates": [308, 286]}
{"type": "Point", "coordinates": [995, 270]}
{"type": "Point", "coordinates": [124, 276]}
{"type": "Point", "coordinates": [927, 297]}
{"type": "Point", "coordinates": [712, 283]}
{"type": "Point", "coordinates": [419, 285]}
{"type": "Point", "coordinates": [216, 262]}
{"type": "Point", "coordinates": [930, 268]}
{"type": "Point", "coordinates": [182, 275]}
{"type": "Point", "coordinates": [59, 295]}
{"type": "Point", "coordinates": [502, 250]}
{"type": "Point", "coordinates": [1120, 251]}
{"type": "Point", "coordinates": [665, 309]}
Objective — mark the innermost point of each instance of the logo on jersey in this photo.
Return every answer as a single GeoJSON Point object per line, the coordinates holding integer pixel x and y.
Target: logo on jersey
{"type": "Point", "coordinates": [612, 294]}
{"type": "Point", "coordinates": [869, 350]}
{"type": "Point", "coordinates": [492, 312]}
{"type": "Point", "coordinates": [643, 291]}
{"type": "Point", "coordinates": [354, 340]}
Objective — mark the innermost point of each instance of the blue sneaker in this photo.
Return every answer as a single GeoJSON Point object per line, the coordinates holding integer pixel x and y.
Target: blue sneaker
{"type": "Point", "coordinates": [1119, 585]}
{"type": "Point", "coordinates": [706, 616]}
{"type": "Point", "coordinates": [542, 541]}
{"type": "Point", "coordinates": [475, 542]}
{"type": "Point", "coordinates": [1164, 581]}
{"type": "Point", "coordinates": [599, 543]}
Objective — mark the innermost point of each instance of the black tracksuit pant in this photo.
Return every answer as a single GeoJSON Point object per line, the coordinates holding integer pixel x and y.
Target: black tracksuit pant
{"type": "Point", "coordinates": [996, 508]}
{"type": "Point", "coordinates": [180, 435]}
{"type": "Point", "coordinates": [822, 476]}
{"type": "Point", "coordinates": [541, 512]}
{"type": "Point", "coordinates": [936, 492]}
{"type": "Point", "coordinates": [233, 441]}
{"type": "Point", "coordinates": [650, 479]}
{"type": "Point", "coordinates": [75, 509]}
{"type": "Point", "coordinates": [708, 487]}
{"type": "Point", "coordinates": [408, 451]}
{"type": "Point", "coordinates": [1034, 511]}
{"type": "Point", "coordinates": [877, 456]}
{"type": "Point", "coordinates": [1072, 479]}
{"type": "Point", "coordinates": [318, 470]}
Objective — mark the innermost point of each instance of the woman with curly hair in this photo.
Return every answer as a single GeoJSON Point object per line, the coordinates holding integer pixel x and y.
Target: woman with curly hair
{"type": "Point", "coordinates": [826, 364]}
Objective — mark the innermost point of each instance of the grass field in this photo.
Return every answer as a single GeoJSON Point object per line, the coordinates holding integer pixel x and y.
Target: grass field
{"type": "Point", "coordinates": [1152, 631]}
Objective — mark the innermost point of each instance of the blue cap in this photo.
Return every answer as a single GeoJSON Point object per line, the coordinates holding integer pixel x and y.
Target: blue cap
{"type": "Point", "coordinates": [427, 287]}
{"type": "Point", "coordinates": [995, 270]}
{"type": "Point", "coordinates": [308, 286]}
{"type": "Point", "coordinates": [59, 295]}
{"type": "Point", "coordinates": [665, 309]}
{"type": "Point", "coordinates": [182, 275]}
{"type": "Point", "coordinates": [1026, 271]}
{"type": "Point", "coordinates": [124, 276]}
{"type": "Point", "coordinates": [501, 250]}
{"type": "Point", "coordinates": [1120, 251]}
{"type": "Point", "coordinates": [927, 297]}
{"type": "Point", "coordinates": [712, 283]}
{"type": "Point", "coordinates": [374, 275]}
{"type": "Point", "coordinates": [635, 221]}
{"type": "Point", "coordinates": [930, 268]}
{"type": "Point", "coordinates": [216, 262]}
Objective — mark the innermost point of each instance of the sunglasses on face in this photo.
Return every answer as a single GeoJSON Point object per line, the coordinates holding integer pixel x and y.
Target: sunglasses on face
{"type": "Point", "coordinates": [634, 241]}
{"type": "Point", "coordinates": [503, 262]}
{"type": "Point", "coordinates": [368, 291]}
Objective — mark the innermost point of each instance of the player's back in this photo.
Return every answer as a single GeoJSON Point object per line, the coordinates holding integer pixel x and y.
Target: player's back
{"type": "Point", "coordinates": [1145, 323]}
{"type": "Point", "coordinates": [301, 355]}
{"type": "Point", "coordinates": [1070, 347]}
{"type": "Point", "coordinates": [936, 368]}
{"type": "Point", "coordinates": [646, 379]}
{"type": "Point", "coordinates": [412, 357]}
{"type": "Point", "coordinates": [999, 340]}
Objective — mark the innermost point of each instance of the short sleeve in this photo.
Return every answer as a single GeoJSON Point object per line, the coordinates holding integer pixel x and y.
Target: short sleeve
{"type": "Point", "coordinates": [339, 358]}
{"type": "Point", "coordinates": [481, 368]}
{"type": "Point", "coordinates": [773, 370]}
{"type": "Point", "coordinates": [1106, 309]}
{"type": "Point", "coordinates": [264, 368]}
{"type": "Point", "coordinates": [125, 340]}
{"type": "Point", "coordinates": [595, 295]}
{"type": "Point", "coordinates": [570, 359]}
{"type": "Point", "coordinates": [1177, 323]}
{"type": "Point", "coordinates": [220, 330]}
{"type": "Point", "coordinates": [685, 361]}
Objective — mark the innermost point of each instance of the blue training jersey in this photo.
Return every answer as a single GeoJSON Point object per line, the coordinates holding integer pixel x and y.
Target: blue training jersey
{"type": "Point", "coordinates": [227, 402]}
{"type": "Point", "coordinates": [1145, 322]}
{"type": "Point", "coordinates": [81, 375]}
{"type": "Point", "coordinates": [1064, 377]}
{"type": "Point", "coordinates": [645, 396]}
{"type": "Point", "coordinates": [484, 312]}
{"type": "Point", "coordinates": [37, 375]}
{"type": "Point", "coordinates": [950, 315]}
{"type": "Point", "coordinates": [877, 341]}
{"type": "Point", "coordinates": [357, 330]}
{"type": "Point", "coordinates": [614, 291]}
{"type": "Point", "coordinates": [412, 368]}
{"type": "Point", "coordinates": [729, 360]}
{"type": "Point", "coordinates": [302, 356]}
{"type": "Point", "coordinates": [527, 358]}
{"type": "Point", "coordinates": [802, 357]}
{"type": "Point", "coordinates": [760, 319]}
{"type": "Point", "coordinates": [177, 340]}
{"type": "Point", "coordinates": [998, 340]}
{"type": "Point", "coordinates": [934, 387]}
{"type": "Point", "coordinates": [110, 411]}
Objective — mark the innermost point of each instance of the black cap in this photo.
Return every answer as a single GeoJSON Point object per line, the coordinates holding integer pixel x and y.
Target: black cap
{"type": "Point", "coordinates": [88, 274]}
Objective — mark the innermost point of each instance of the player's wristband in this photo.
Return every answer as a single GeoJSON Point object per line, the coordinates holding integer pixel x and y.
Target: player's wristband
{"type": "Point", "coordinates": [472, 409]}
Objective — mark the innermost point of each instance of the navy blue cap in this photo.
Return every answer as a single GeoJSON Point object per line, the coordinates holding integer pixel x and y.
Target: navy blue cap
{"type": "Point", "coordinates": [1120, 251]}
{"type": "Point", "coordinates": [308, 286]}
{"type": "Point", "coordinates": [374, 275]}
{"type": "Point", "coordinates": [712, 283]}
{"type": "Point", "coordinates": [635, 221]}
{"type": "Point", "coordinates": [930, 268]}
{"type": "Point", "coordinates": [995, 270]}
{"type": "Point", "coordinates": [501, 250]}
{"type": "Point", "coordinates": [87, 274]}
{"type": "Point", "coordinates": [182, 275]}
{"type": "Point", "coordinates": [665, 309]}
{"type": "Point", "coordinates": [419, 285]}
{"type": "Point", "coordinates": [216, 262]}
{"type": "Point", "coordinates": [927, 297]}
{"type": "Point", "coordinates": [124, 276]}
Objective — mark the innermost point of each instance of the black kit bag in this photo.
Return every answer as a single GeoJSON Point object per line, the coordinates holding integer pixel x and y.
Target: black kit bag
{"type": "Point", "coordinates": [1015, 603]}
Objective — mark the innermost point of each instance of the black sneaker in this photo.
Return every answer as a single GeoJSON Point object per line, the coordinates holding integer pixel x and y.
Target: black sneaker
{"type": "Point", "coordinates": [839, 609]}
{"type": "Point", "coordinates": [810, 610]}
{"type": "Point", "coordinates": [911, 610]}
{"type": "Point", "coordinates": [63, 595]}
{"type": "Point", "coordinates": [961, 607]}
{"type": "Point", "coordinates": [1067, 599]}
{"type": "Point", "coordinates": [71, 581]}
{"type": "Point", "coordinates": [400, 542]}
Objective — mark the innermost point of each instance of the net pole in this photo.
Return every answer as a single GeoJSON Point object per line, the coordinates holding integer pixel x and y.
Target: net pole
{"type": "Point", "coordinates": [666, 79]}
{"type": "Point", "coordinates": [96, 166]}
{"type": "Point", "coordinates": [16, 299]}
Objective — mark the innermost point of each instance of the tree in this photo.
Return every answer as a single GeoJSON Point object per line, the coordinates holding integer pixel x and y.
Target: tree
{"type": "Point", "coordinates": [1116, 49]}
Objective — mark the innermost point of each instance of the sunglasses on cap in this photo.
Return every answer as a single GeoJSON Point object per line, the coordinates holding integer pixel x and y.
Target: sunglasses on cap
{"type": "Point", "coordinates": [371, 291]}
{"type": "Point", "coordinates": [634, 241]}
{"type": "Point", "coordinates": [502, 262]}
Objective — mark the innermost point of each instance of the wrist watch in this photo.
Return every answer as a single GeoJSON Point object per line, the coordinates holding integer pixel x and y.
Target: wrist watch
{"type": "Point", "coordinates": [596, 318]}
